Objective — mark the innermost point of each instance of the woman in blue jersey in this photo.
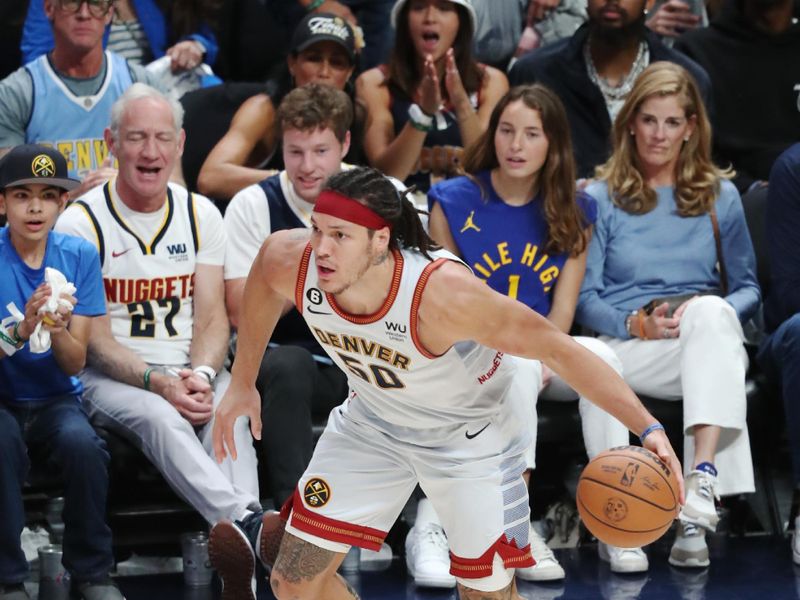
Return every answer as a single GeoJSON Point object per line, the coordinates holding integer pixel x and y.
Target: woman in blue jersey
{"type": "Point", "coordinates": [519, 222]}
{"type": "Point", "coordinates": [432, 98]}
{"type": "Point", "coordinates": [670, 229]}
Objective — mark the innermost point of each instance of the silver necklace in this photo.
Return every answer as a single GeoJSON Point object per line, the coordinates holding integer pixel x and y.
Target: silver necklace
{"type": "Point", "coordinates": [621, 91]}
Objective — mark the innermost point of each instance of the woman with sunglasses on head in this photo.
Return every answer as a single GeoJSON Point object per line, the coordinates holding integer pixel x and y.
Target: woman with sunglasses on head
{"type": "Point", "coordinates": [670, 279]}
{"type": "Point", "coordinates": [519, 222]}
{"type": "Point", "coordinates": [432, 98]}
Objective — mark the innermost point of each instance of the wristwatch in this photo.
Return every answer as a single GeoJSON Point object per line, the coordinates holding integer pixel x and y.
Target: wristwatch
{"type": "Point", "coordinates": [206, 371]}
{"type": "Point", "coordinates": [419, 119]}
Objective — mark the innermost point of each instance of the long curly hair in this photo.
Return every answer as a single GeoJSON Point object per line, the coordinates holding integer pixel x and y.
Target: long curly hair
{"type": "Point", "coordinates": [566, 224]}
{"type": "Point", "coordinates": [697, 178]}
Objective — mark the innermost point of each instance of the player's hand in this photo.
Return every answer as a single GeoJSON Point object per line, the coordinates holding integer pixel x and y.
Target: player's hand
{"type": "Point", "coordinates": [94, 178]}
{"type": "Point", "coordinates": [658, 326]}
{"type": "Point", "coordinates": [239, 400]}
{"type": "Point", "coordinates": [430, 95]}
{"type": "Point", "coordinates": [658, 443]}
{"type": "Point", "coordinates": [673, 18]}
{"type": "Point", "coordinates": [185, 55]}
{"type": "Point", "coordinates": [459, 97]}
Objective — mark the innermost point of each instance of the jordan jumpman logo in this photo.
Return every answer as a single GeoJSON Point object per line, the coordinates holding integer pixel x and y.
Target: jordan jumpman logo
{"type": "Point", "coordinates": [469, 223]}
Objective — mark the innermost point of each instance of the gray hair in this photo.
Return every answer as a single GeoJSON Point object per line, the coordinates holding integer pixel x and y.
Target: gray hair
{"type": "Point", "coordinates": [138, 91]}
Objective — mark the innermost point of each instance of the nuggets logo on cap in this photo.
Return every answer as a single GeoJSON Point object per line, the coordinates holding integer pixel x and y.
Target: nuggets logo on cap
{"type": "Point", "coordinates": [316, 493]}
{"type": "Point", "coordinates": [43, 166]}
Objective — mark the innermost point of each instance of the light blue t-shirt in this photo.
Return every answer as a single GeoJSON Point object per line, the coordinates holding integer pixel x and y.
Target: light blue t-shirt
{"type": "Point", "coordinates": [635, 258]}
{"type": "Point", "coordinates": [28, 377]}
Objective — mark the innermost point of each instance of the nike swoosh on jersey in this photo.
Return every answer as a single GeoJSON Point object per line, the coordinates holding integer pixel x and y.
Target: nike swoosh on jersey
{"type": "Point", "coordinates": [317, 312]}
{"type": "Point", "coordinates": [477, 433]}
{"type": "Point", "coordinates": [116, 254]}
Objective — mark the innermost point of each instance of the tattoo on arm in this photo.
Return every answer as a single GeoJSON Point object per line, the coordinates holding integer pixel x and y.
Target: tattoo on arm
{"type": "Point", "coordinates": [507, 593]}
{"type": "Point", "coordinates": [299, 560]}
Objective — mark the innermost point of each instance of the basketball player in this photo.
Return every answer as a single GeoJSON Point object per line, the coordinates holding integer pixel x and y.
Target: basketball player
{"type": "Point", "coordinates": [431, 399]}
{"type": "Point", "coordinates": [155, 362]}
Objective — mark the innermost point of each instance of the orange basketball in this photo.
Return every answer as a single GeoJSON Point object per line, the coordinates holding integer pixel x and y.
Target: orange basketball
{"type": "Point", "coordinates": [627, 497]}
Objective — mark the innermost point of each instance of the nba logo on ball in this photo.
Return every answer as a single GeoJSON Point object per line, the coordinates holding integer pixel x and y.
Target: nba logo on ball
{"type": "Point", "coordinates": [627, 497]}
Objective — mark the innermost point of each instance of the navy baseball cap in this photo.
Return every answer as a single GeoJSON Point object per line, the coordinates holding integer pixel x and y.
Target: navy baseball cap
{"type": "Point", "coordinates": [35, 163]}
{"type": "Point", "coordinates": [321, 27]}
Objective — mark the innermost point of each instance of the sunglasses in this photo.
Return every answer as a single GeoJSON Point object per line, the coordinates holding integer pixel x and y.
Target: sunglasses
{"type": "Point", "coordinates": [97, 8]}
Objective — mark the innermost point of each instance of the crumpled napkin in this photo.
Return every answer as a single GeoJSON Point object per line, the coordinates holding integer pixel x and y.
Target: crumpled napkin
{"type": "Point", "coordinates": [40, 338]}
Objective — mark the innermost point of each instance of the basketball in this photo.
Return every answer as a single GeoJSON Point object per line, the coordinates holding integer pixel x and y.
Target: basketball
{"type": "Point", "coordinates": [627, 497]}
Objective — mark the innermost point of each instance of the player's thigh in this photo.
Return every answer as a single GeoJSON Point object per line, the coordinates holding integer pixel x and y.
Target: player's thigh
{"type": "Point", "coordinates": [354, 488]}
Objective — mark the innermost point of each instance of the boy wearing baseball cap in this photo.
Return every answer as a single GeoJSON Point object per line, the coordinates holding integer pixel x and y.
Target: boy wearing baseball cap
{"type": "Point", "coordinates": [40, 404]}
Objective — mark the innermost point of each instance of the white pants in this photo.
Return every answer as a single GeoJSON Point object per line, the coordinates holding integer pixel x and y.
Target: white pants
{"type": "Point", "coordinates": [706, 367]}
{"type": "Point", "coordinates": [601, 431]}
{"type": "Point", "coordinates": [183, 455]}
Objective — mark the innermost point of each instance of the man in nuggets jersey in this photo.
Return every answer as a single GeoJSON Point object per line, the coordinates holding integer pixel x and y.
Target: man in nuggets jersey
{"type": "Point", "coordinates": [423, 344]}
{"type": "Point", "coordinates": [155, 362]}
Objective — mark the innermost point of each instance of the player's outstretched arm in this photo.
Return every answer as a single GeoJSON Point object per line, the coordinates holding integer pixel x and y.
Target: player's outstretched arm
{"type": "Point", "coordinates": [270, 284]}
{"type": "Point", "coordinates": [457, 306]}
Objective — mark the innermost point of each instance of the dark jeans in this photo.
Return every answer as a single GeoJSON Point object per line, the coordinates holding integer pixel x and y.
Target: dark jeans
{"type": "Point", "coordinates": [60, 432]}
{"type": "Point", "coordinates": [295, 391]}
{"type": "Point", "coordinates": [779, 357]}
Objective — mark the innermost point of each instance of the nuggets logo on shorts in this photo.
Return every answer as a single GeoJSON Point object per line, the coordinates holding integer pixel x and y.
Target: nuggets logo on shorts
{"type": "Point", "coordinates": [316, 493]}
{"type": "Point", "coordinates": [43, 166]}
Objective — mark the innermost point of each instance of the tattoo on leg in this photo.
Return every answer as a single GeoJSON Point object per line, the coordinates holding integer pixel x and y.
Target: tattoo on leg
{"type": "Point", "coordinates": [466, 593]}
{"type": "Point", "coordinates": [299, 560]}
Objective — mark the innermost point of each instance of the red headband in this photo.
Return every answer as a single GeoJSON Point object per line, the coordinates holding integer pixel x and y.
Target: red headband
{"type": "Point", "coordinates": [340, 206]}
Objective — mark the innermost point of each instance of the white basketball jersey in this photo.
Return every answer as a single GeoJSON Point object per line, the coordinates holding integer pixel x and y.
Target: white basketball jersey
{"type": "Point", "coordinates": [391, 375]}
{"type": "Point", "coordinates": [149, 283]}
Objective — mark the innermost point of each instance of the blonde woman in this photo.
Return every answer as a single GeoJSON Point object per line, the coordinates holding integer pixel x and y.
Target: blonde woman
{"type": "Point", "coordinates": [659, 293]}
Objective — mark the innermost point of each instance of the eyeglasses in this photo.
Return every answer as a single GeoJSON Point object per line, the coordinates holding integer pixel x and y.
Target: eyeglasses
{"type": "Point", "coordinates": [97, 8]}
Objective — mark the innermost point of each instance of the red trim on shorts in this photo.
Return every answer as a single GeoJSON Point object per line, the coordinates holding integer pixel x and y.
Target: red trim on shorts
{"type": "Point", "coordinates": [423, 280]}
{"type": "Point", "coordinates": [387, 304]}
{"type": "Point", "coordinates": [476, 568]}
{"type": "Point", "coordinates": [330, 529]}
{"type": "Point", "coordinates": [301, 279]}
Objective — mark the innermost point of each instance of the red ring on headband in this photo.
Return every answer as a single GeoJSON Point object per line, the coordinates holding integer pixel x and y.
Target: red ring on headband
{"type": "Point", "coordinates": [346, 208]}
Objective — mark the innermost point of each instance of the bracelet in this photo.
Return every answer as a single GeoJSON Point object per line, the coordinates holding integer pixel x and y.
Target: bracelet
{"type": "Point", "coordinates": [15, 333]}
{"type": "Point", "coordinates": [629, 322]}
{"type": "Point", "coordinates": [654, 427]}
{"type": "Point", "coordinates": [147, 373]}
{"type": "Point", "coordinates": [314, 5]}
{"type": "Point", "coordinates": [8, 340]}
{"type": "Point", "coordinates": [209, 372]}
{"type": "Point", "coordinates": [642, 315]}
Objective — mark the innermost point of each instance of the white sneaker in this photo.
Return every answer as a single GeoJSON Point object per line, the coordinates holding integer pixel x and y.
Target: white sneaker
{"type": "Point", "coordinates": [546, 567]}
{"type": "Point", "coordinates": [428, 556]}
{"type": "Point", "coordinates": [796, 542]}
{"type": "Point", "coordinates": [623, 560]}
{"type": "Point", "coordinates": [690, 548]}
{"type": "Point", "coordinates": [700, 494]}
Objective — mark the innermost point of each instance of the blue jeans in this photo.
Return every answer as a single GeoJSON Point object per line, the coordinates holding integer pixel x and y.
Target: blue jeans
{"type": "Point", "coordinates": [779, 357]}
{"type": "Point", "coordinates": [60, 432]}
